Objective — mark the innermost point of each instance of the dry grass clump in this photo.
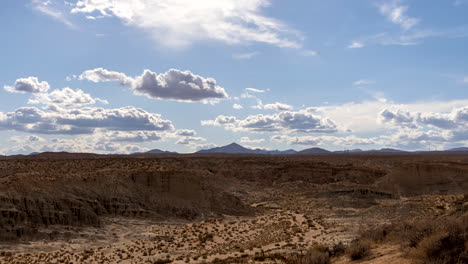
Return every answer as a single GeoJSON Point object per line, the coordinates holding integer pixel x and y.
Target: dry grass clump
{"type": "Point", "coordinates": [316, 255]}
{"type": "Point", "coordinates": [441, 240]}
{"type": "Point", "coordinates": [359, 249]}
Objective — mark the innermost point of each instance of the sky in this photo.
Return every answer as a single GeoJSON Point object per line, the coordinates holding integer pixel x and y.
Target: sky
{"type": "Point", "coordinates": [125, 76]}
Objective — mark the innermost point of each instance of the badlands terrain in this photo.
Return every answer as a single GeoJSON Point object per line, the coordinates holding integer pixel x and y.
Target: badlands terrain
{"type": "Point", "coordinates": [215, 208]}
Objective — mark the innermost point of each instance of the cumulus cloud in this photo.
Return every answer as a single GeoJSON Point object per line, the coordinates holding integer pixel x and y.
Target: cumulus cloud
{"type": "Point", "coordinates": [198, 147]}
{"type": "Point", "coordinates": [89, 145]}
{"type": "Point", "coordinates": [397, 117]}
{"type": "Point", "coordinates": [180, 23]}
{"type": "Point", "coordinates": [414, 139]}
{"type": "Point", "coordinates": [189, 140]}
{"type": "Point", "coordinates": [171, 85]}
{"type": "Point", "coordinates": [396, 13]}
{"type": "Point", "coordinates": [322, 140]}
{"type": "Point", "coordinates": [186, 132]}
{"type": "Point", "coordinates": [457, 118]}
{"type": "Point", "coordinates": [251, 141]}
{"type": "Point", "coordinates": [356, 45]}
{"type": "Point", "coordinates": [237, 106]}
{"type": "Point", "coordinates": [82, 121]}
{"type": "Point", "coordinates": [28, 85]}
{"type": "Point", "coordinates": [103, 75]}
{"type": "Point", "coordinates": [79, 144]}
{"type": "Point", "coordinates": [130, 136]}
{"type": "Point", "coordinates": [287, 121]}
{"type": "Point", "coordinates": [26, 139]}
{"type": "Point", "coordinates": [65, 98]}
{"type": "Point", "coordinates": [277, 107]}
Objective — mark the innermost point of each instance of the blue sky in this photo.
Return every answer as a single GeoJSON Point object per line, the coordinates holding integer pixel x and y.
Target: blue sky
{"type": "Point", "coordinates": [124, 76]}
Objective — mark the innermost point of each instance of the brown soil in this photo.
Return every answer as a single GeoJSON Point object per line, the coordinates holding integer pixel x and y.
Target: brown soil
{"type": "Point", "coordinates": [86, 208]}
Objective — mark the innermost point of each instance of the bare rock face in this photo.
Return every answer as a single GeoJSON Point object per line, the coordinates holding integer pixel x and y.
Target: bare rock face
{"type": "Point", "coordinates": [43, 191]}
{"type": "Point", "coordinates": [65, 193]}
{"type": "Point", "coordinates": [419, 178]}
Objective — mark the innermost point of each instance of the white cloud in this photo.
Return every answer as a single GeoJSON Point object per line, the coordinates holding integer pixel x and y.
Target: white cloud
{"type": "Point", "coordinates": [276, 106]}
{"type": "Point", "coordinates": [103, 75]}
{"type": "Point", "coordinates": [255, 90]}
{"type": "Point", "coordinates": [171, 85]}
{"type": "Point", "coordinates": [237, 106]}
{"type": "Point", "coordinates": [79, 144]}
{"type": "Point", "coordinates": [182, 22]}
{"type": "Point", "coordinates": [456, 119]}
{"type": "Point", "coordinates": [363, 82]}
{"type": "Point", "coordinates": [322, 140]}
{"type": "Point", "coordinates": [46, 8]}
{"type": "Point", "coordinates": [65, 98]}
{"type": "Point", "coordinates": [28, 85]}
{"type": "Point", "coordinates": [363, 117]}
{"type": "Point", "coordinates": [356, 45]}
{"type": "Point", "coordinates": [189, 140]}
{"type": "Point", "coordinates": [186, 132]}
{"type": "Point", "coordinates": [310, 53]}
{"type": "Point", "coordinates": [396, 13]}
{"type": "Point", "coordinates": [26, 139]}
{"type": "Point", "coordinates": [251, 141]}
{"type": "Point", "coordinates": [198, 147]}
{"type": "Point", "coordinates": [245, 56]}
{"type": "Point", "coordinates": [414, 36]}
{"type": "Point", "coordinates": [129, 136]}
{"type": "Point", "coordinates": [82, 121]}
{"type": "Point", "coordinates": [287, 122]}
{"type": "Point", "coordinates": [465, 80]}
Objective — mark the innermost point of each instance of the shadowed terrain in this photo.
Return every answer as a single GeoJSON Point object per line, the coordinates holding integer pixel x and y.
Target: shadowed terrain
{"type": "Point", "coordinates": [86, 208]}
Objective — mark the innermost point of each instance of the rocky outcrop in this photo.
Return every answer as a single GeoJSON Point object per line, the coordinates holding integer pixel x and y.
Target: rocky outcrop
{"type": "Point", "coordinates": [419, 178]}
{"type": "Point", "coordinates": [62, 196]}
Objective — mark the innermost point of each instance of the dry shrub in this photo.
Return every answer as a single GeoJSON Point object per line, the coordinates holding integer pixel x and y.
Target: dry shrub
{"type": "Point", "coordinates": [312, 257]}
{"type": "Point", "coordinates": [446, 245]}
{"type": "Point", "coordinates": [316, 255]}
{"type": "Point", "coordinates": [338, 249]}
{"type": "Point", "coordinates": [358, 249]}
{"type": "Point", "coordinates": [442, 240]}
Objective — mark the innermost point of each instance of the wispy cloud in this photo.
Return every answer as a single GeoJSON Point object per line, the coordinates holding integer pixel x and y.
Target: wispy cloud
{"type": "Point", "coordinates": [245, 56]}
{"type": "Point", "coordinates": [181, 23]}
{"type": "Point", "coordinates": [460, 2]}
{"type": "Point", "coordinates": [255, 90]}
{"type": "Point", "coordinates": [363, 82]}
{"type": "Point", "coordinates": [310, 53]}
{"type": "Point", "coordinates": [396, 13]}
{"type": "Point", "coordinates": [46, 8]}
{"type": "Point", "coordinates": [356, 45]}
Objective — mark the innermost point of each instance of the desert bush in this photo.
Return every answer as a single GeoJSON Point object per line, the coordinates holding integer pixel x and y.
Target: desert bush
{"type": "Point", "coordinates": [337, 249]}
{"type": "Point", "coordinates": [162, 261]}
{"type": "Point", "coordinates": [358, 249]}
{"type": "Point", "coordinates": [316, 255]}
{"type": "Point", "coordinates": [205, 237]}
{"type": "Point", "coordinates": [447, 244]}
{"type": "Point", "coordinates": [442, 240]}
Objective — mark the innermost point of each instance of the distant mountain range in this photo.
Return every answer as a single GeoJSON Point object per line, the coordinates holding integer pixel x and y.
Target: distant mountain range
{"type": "Point", "coordinates": [458, 149]}
{"type": "Point", "coordinates": [156, 151]}
{"type": "Point", "coordinates": [235, 148]}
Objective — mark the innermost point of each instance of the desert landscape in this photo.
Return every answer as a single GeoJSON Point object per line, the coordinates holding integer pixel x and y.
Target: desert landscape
{"type": "Point", "coordinates": [219, 208]}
